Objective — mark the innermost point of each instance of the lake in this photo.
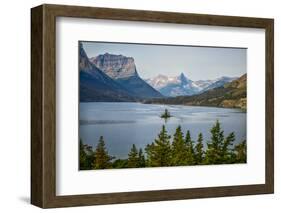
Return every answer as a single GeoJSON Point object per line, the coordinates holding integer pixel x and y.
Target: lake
{"type": "Point", "coordinates": [123, 124]}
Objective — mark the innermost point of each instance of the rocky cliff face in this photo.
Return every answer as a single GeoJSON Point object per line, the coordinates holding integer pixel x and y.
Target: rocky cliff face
{"type": "Point", "coordinates": [94, 85]}
{"type": "Point", "coordinates": [115, 66]}
{"type": "Point", "coordinates": [123, 70]}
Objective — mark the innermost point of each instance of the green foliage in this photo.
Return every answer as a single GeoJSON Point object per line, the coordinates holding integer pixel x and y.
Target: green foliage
{"type": "Point", "coordinates": [86, 156]}
{"type": "Point", "coordinates": [241, 152]}
{"type": "Point", "coordinates": [226, 152]}
{"type": "Point", "coordinates": [219, 148]}
{"type": "Point", "coordinates": [120, 163]}
{"type": "Point", "coordinates": [102, 157]}
{"type": "Point", "coordinates": [181, 151]}
{"type": "Point", "coordinates": [213, 153]}
{"type": "Point", "coordinates": [141, 162]}
{"type": "Point", "coordinates": [190, 149]}
{"type": "Point", "coordinates": [159, 152]}
{"type": "Point", "coordinates": [133, 157]}
{"type": "Point", "coordinates": [199, 152]}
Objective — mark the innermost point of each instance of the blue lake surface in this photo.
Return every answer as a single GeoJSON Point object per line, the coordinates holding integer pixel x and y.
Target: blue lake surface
{"type": "Point", "coordinates": [123, 124]}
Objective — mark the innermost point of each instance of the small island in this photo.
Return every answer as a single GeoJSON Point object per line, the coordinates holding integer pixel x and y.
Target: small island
{"type": "Point", "coordinates": [166, 114]}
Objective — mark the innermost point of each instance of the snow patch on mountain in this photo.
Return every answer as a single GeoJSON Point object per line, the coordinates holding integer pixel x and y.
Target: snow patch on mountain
{"type": "Point", "coordinates": [182, 86]}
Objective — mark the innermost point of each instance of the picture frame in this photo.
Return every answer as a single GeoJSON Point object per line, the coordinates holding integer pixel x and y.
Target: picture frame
{"type": "Point", "coordinates": [43, 105]}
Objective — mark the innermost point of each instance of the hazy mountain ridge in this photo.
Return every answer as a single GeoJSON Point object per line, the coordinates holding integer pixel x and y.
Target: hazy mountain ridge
{"type": "Point", "coordinates": [230, 95]}
{"type": "Point", "coordinates": [183, 86]}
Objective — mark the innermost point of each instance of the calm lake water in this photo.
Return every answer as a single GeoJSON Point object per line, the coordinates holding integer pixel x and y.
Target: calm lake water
{"type": "Point", "coordinates": [123, 124]}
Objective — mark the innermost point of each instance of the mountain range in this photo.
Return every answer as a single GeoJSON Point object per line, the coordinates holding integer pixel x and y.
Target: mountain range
{"type": "Point", "coordinates": [111, 78]}
{"type": "Point", "coordinates": [230, 95]}
{"type": "Point", "coordinates": [123, 70]}
{"type": "Point", "coordinates": [114, 78]}
{"type": "Point", "coordinates": [183, 86]}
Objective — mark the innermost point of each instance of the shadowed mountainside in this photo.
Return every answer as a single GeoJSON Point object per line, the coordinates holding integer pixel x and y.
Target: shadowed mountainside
{"type": "Point", "coordinates": [97, 86]}
{"type": "Point", "coordinates": [123, 70]}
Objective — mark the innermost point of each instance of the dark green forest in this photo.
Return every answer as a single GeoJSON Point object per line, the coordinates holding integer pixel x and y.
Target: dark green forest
{"type": "Point", "coordinates": [165, 150]}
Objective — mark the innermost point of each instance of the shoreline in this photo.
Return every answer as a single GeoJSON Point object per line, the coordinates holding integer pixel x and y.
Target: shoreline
{"type": "Point", "coordinates": [165, 104]}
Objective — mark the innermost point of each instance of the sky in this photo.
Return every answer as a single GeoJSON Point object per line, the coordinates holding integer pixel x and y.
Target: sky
{"type": "Point", "coordinates": [197, 63]}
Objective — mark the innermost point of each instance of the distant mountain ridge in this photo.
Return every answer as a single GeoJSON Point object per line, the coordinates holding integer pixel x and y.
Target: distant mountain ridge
{"type": "Point", "coordinates": [183, 86]}
{"type": "Point", "coordinates": [230, 95]}
{"type": "Point", "coordinates": [114, 78]}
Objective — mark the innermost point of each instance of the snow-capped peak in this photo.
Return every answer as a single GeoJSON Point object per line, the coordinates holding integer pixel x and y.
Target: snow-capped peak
{"type": "Point", "coordinates": [181, 85]}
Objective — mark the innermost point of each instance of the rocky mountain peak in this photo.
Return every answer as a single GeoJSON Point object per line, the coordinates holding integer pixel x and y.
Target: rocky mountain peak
{"type": "Point", "coordinates": [84, 63]}
{"type": "Point", "coordinates": [183, 79]}
{"type": "Point", "coordinates": [115, 66]}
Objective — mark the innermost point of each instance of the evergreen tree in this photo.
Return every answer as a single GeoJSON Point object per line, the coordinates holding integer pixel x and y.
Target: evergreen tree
{"type": "Point", "coordinates": [190, 149]}
{"type": "Point", "coordinates": [213, 153]}
{"type": "Point", "coordinates": [151, 154]}
{"type": "Point", "coordinates": [179, 149]}
{"type": "Point", "coordinates": [226, 152]}
{"type": "Point", "coordinates": [86, 156]}
{"type": "Point", "coordinates": [120, 163]}
{"type": "Point", "coordinates": [133, 157]}
{"type": "Point", "coordinates": [102, 157]}
{"type": "Point", "coordinates": [199, 150]}
{"type": "Point", "coordinates": [241, 152]}
{"type": "Point", "coordinates": [159, 152]}
{"type": "Point", "coordinates": [141, 160]}
{"type": "Point", "coordinates": [82, 155]}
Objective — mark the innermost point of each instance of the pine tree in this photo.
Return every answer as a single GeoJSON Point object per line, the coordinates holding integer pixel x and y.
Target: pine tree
{"type": "Point", "coordinates": [120, 163]}
{"type": "Point", "coordinates": [141, 160]}
{"type": "Point", "coordinates": [102, 157]}
{"type": "Point", "coordinates": [133, 157]}
{"type": "Point", "coordinates": [179, 149]}
{"type": "Point", "coordinates": [159, 152]}
{"type": "Point", "coordinates": [199, 150]}
{"type": "Point", "coordinates": [86, 156]}
{"type": "Point", "coordinates": [190, 149]}
{"type": "Point", "coordinates": [214, 151]}
{"type": "Point", "coordinates": [241, 152]}
{"type": "Point", "coordinates": [151, 154]}
{"type": "Point", "coordinates": [82, 156]}
{"type": "Point", "coordinates": [226, 152]}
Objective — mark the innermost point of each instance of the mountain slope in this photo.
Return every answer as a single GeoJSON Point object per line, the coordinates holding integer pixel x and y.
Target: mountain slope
{"type": "Point", "coordinates": [182, 86]}
{"type": "Point", "coordinates": [174, 86]}
{"type": "Point", "coordinates": [219, 82]}
{"type": "Point", "coordinates": [123, 70]}
{"type": "Point", "coordinates": [231, 95]}
{"type": "Point", "coordinates": [97, 86]}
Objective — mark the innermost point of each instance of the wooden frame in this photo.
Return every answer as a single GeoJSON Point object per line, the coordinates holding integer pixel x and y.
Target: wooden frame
{"type": "Point", "coordinates": [43, 105]}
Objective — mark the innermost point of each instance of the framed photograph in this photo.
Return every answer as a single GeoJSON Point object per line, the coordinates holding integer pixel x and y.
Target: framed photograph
{"type": "Point", "coordinates": [136, 106]}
